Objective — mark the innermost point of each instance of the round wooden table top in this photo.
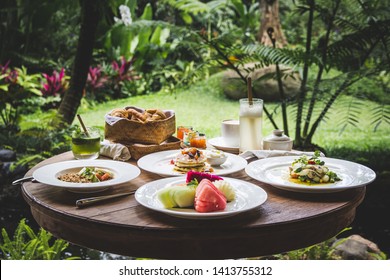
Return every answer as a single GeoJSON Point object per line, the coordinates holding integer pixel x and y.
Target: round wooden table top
{"type": "Point", "coordinates": [286, 221]}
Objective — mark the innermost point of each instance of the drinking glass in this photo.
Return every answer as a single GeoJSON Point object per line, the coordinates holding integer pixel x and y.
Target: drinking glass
{"type": "Point", "coordinates": [86, 146]}
{"type": "Point", "coordinates": [251, 124]}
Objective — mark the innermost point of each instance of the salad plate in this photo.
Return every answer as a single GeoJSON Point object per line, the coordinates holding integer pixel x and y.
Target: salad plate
{"type": "Point", "coordinates": [275, 172]}
{"type": "Point", "coordinates": [122, 172]}
{"type": "Point", "coordinates": [161, 163]}
{"type": "Point", "coordinates": [220, 144]}
{"type": "Point", "coordinates": [248, 196]}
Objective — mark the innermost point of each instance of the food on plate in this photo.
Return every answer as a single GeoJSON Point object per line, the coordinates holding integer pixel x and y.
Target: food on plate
{"type": "Point", "coordinates": [87, 175]}
{"type": "Point", "coordinates": [191, 159]}
{"type": "Point", "coordinates": [148, 115]}
{"type": "Point", "coordinates": [204, 192]}
{"type": "Point", "coordinates": [199, 176]}
{"type": "Point", "coordinates": [208, 198]}
{"type": "Point", "coordinates": [226, 188]}
{"type": "Point", "coordinates": [312, 171]}
{"type": "Point", "coordinates": [181, 195]}
{"type": "Point", "coordinates": [216, 157]}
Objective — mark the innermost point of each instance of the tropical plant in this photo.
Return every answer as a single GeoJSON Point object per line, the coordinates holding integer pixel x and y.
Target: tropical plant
{"type": "Point", "coordinates": [38, 34]}
{"type": "Point", "coordinates": [16, 87]}
{"type": "Point", "coordinates": [97, 81]}
{"type": "Point", "coordinates": [27, 245]}
{"type": "Point", "coordinates": [55, 84]}
{"type": "Point", "coordinates": [354, 44]}
{"type": "Point", "coordinates": [91, 13]}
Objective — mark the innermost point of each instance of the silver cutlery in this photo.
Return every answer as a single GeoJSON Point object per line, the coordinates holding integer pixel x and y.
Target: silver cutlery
{"type": "Point", "coordinates": [91, 200]}
{"type": "Point", "coordinates": [25, 179]}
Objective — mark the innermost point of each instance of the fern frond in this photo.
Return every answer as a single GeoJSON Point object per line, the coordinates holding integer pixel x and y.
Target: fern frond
{"type": "Point", "coordinates": [380, 115]}
{"type": "Point", "coordinates": [354, 48]}
{"type": "Point", "coordinates": [350, 114]}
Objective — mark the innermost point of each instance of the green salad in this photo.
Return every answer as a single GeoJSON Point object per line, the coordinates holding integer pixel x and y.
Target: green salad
{"type": "Point", "coordinates": [312, 170]}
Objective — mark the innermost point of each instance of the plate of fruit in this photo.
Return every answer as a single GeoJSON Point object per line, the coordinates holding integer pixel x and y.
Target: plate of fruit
{"type": "Point", "coordinates": [199, 195]}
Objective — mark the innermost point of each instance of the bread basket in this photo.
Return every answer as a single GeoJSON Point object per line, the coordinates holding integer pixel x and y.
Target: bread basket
{"type": "Point", "coordinates": [127, 132]}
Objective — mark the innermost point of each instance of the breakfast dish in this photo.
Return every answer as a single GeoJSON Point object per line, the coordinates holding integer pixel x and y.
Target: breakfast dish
{"type": "Point", "coordinates": [191, 159]}
{"type": "Point", "coordinates": [275, 171]}
{"type": "Point", "coordinates": [247, 196]}
{"type": "Point", "coordinates": [120, 172]}
{"type": "Point", "coordinates": [163, 164]}
{"type": "Point", "coordinates": [215, 157]}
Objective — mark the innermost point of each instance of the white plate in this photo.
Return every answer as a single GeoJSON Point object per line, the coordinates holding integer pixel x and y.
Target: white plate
{"type": "Point", "coordinates": [275, 171]}
{"type": "Point", "coordinates": [160, 163]}
{"type": "Point", "coordinates": [220, 144]}
{"type": "Point", "coordinates": [248, 196]}
{"type": "Point", "coordinates": [123, 172]}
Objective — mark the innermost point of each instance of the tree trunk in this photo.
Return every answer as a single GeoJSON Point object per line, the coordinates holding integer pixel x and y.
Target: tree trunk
{"type": "Point", "coordinates": [90, 15]}
{"type": "Point", "coordinates": [269, 13]}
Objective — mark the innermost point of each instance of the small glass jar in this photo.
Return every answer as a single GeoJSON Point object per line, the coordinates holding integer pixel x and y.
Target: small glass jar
{"type": "Point", "coordinates": [181, 130]}
{"type": "Point", "coordinates": [188, 135]}
{"type": "Point", "coordinates": [199, 141]}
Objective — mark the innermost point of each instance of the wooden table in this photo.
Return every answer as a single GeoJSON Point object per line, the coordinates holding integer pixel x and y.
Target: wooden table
{"type": "Point", "coordinates": [286, 221]}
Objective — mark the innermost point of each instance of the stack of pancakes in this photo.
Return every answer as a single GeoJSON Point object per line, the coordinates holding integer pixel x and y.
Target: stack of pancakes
{"type": "Point", "coordinates": [191, 159]}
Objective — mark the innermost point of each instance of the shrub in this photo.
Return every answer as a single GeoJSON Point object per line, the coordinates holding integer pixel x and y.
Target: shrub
{"type": "Point", "coordinates": [27, 245]}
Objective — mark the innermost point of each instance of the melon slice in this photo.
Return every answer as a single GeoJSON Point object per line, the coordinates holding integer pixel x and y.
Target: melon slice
{"type": "Point", "coordinates": [208, 198]}
{"type": "Point", "coordinates": [177, 196]}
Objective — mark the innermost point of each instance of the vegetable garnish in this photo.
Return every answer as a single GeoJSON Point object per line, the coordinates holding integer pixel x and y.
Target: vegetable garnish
{"type": "Point", "coordinates": [312, 170]}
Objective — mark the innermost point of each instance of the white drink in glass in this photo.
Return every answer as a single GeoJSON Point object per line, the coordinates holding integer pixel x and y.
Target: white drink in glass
{"type": "Point", "coordinates": [251, 124]}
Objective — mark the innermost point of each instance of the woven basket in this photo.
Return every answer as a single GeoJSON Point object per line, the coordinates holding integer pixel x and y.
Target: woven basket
{"type": "Point", "coordinates": [127, 131]}
{"type": "Point", "coordinates": [139, 150]}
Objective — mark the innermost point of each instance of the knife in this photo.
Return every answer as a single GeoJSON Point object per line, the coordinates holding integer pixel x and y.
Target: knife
{"type": "Point", "coordinates": [91, 200]}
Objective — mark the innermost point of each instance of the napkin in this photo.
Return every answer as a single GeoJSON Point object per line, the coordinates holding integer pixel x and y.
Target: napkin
{"type": "Point", "coordinates": [115, 151]}
{"type": "Point", "coordinates": [274, 153]}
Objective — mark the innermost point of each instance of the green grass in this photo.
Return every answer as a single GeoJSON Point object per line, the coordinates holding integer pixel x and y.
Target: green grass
{"type": "Point", "coordinates": [204, 106]}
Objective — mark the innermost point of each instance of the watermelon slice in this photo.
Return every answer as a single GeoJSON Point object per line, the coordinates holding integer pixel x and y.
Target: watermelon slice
{"type": "Point", "coordinates": [199, 176]}
{"type": "Point", "coordinates": [208, 198]}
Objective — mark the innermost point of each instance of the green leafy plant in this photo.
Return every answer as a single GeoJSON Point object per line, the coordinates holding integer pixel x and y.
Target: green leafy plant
{"type": "Point", "coordinates": [16, 88]}
{"type": "Point", "coordinates": [353, 42]}
{"type": "Point", "coordinates": [28, 245]}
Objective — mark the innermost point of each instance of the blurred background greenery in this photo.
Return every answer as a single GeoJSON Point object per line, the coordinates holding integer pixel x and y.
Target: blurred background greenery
{"type": "Point", "coordinates": [186, 55]}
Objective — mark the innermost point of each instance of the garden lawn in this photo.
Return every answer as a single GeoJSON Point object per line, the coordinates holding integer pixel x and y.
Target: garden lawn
{"type": "Point", "coordinates": [204, 106]}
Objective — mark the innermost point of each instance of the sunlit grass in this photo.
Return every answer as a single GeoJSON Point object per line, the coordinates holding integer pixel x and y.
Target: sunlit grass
{"type": "Point", "coordinates": [204, 106]}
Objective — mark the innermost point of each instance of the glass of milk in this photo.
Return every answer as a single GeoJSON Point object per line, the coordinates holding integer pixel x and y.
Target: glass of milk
{"type": "Point", "coordinates": [251, 124]}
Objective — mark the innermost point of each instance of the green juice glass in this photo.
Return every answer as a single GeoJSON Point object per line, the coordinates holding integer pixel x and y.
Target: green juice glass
{"type": "Point", "coordinates": [86, 147]}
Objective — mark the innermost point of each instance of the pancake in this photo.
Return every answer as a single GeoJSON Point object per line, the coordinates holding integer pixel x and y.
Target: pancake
{"type": "Point", "coordinates": [191, 159]}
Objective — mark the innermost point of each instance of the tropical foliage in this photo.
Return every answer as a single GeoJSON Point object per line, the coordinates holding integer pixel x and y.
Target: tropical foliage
{"type": "Point", "coordinates": [69, 52]}
{"type": "Point", "coordinates": [28, 245]}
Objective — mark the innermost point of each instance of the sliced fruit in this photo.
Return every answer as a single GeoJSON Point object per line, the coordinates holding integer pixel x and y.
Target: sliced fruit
{"type": "Point", "coordinates": [226, 188]}
{"type": "Point", "coordinates": [208, 198]}
{"type": "Point", "coordinates": [177, 196]}
{"type": "Point", "coordinates": [199, 176]}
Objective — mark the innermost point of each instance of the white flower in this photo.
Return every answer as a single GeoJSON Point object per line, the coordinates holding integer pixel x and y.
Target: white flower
{"type": "Point", "coordinates": [125, 14]}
